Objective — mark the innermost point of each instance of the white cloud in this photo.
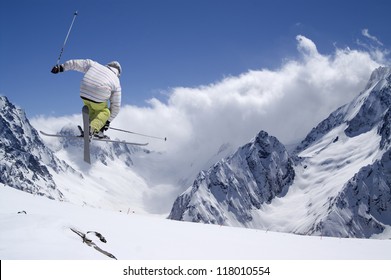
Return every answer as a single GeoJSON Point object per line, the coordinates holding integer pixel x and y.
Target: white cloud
{"type": "Point", "coordinates": [365, 33]}
{"type": "Point", "coordinates": [287, 102]}
{"type": "Point", "coordinates": [374, 47]}
{"type": "Point", "coordinates": [306, 46]}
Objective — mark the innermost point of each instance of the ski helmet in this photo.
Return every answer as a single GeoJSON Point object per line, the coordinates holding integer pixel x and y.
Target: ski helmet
{"type": "Point", "coordinates": [116, 65]}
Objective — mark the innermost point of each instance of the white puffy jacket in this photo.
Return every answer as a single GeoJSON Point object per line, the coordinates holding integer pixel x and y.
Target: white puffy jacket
{"type": "Point", "coordinates": [100, 83]}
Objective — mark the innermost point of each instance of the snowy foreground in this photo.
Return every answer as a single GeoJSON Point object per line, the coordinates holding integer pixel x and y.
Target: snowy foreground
{"type": "Point", "coordinates": [44, 234]}
{"type": "Point", "coordinates": [41, 231]}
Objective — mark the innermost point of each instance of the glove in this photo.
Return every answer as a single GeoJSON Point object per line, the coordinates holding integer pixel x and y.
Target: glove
{"type": "Point", "coordinates": [106, 126]}
{"type": "Point", "coordinates": [57, 69]}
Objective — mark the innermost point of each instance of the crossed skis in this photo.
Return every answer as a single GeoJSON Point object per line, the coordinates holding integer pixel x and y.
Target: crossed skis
{"type": "Point", "coordinates": [88, 139]}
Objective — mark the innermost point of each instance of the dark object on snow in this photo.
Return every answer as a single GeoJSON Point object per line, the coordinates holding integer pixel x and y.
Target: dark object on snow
{"type": "Point", "coordinates": [90, 243]}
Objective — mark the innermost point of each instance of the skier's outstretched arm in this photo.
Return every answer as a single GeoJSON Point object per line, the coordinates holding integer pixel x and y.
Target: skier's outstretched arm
{"type": "Point", "coordinates": [80, 65]}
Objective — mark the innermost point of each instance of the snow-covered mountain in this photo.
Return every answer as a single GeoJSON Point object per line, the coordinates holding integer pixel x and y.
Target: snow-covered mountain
{"type": "Point", "coordinates": [56, 170]}
{"type": "Point", "coordinates": [24, 159]}
{"type": "Point", "coordinates": [227, 193]}
{"type": "Point", "coordinates": [336, 182]}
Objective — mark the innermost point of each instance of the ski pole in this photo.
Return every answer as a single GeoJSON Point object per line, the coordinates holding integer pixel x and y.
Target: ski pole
{"type": "Point", "coordinates": [131, 132]}
{"type": "Point", "coordinates": [66, 38]}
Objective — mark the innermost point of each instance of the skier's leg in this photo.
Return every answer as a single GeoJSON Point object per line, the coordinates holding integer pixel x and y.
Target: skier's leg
{"type": "Point", "coordinates": [90, 109]}
{"type": "Point", "coordinates": [101, 115]}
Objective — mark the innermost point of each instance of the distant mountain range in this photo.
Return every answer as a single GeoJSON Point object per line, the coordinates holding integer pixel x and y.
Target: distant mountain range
{"type": "Point", "coordinates": [337, 182]}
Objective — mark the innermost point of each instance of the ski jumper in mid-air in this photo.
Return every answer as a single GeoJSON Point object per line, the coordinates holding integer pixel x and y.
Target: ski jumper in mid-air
{"type": "Point", "coordinates": [99, 85]}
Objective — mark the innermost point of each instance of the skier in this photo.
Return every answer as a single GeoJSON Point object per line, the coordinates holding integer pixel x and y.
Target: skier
{"type": "Point", "coordinates": [99, 85]}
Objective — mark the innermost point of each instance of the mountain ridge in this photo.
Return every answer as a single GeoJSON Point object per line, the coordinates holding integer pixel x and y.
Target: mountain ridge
{"type": "Point", "coordinates": [268, 182]}
{"type": "Point", "coordinates": [26, 160]}
{"type": "Point", "coordinates": [331, 166]}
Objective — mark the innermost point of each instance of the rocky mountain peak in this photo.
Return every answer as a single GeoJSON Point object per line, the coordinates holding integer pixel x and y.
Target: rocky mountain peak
{"type": "Point", "coordinates": [227, 192]}
{"type": "Point", "coordinates": [24, 159]}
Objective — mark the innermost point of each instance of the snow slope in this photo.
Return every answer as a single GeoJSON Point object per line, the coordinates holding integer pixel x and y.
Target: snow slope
{"type": "Point", "coordinates": [326, 167]}
{"type": "Point", "coordinates": [44, 233]}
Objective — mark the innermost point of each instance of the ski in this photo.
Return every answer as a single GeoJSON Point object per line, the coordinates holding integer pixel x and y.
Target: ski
{"type": "Point", "coordinates": [93, 139]}
{"type": "Point", "coordinates": [86, 135]}
{"type": "Point", "coordinates": [118, 141]}
{"type": "Point", "coordinates": [60, 135]}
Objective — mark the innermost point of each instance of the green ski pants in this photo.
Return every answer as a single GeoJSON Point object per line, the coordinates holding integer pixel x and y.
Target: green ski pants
{"type": "Point", "coordinates": [99, 114]}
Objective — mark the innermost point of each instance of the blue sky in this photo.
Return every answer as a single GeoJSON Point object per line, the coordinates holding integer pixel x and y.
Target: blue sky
{"type": "Point", "coordinates": [166, 44]}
